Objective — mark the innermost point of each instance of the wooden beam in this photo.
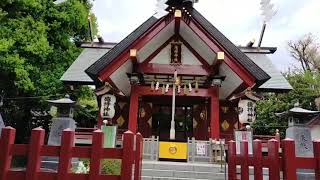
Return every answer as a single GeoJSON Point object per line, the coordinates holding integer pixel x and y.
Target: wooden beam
{"type": "Point", "coordinates": [192, 70]}
{"type": "Point", "coordinates": [146, 91]}
{"type": "Point", "coordinates": [177, 21]}
{"type": "Point", "coordinates": [229, 60]}
{"type": "Point", "coordinates": [138, 44]}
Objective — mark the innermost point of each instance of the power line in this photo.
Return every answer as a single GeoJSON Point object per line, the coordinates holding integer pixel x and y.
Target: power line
{"type": "Point", "coordinates": [31, 97]}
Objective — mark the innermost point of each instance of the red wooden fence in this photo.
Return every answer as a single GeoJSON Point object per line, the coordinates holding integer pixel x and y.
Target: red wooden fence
{"type": "Point", "coordinates": [288, 162]}
{"type": "Point", "coordinates": [130, 154]}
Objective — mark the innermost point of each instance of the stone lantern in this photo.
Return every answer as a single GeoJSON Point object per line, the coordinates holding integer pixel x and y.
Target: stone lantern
{"type": "Point", "coordinates": [297, 116]}
{"type": "Point", "coordinates": [317, 102]}
{"type": "Point", "coordinates": [1, 120]}
{"type": "Point", "coordinates": [63, 120]}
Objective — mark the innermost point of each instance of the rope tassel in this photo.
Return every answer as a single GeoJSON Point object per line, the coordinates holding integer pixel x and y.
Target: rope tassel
{"type": "Point", "coordinates": [167, 88]}
{"type": "Point", "coordinates": [185, 91]}
{"type": "Point", "coordinates": [190, 87]}
{"type": "Point", "coordinates": [163, 89]}
{"type": "Point", "coordinates": [197, 86]}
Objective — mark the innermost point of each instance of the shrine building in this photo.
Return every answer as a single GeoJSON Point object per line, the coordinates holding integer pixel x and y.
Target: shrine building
{"type": "Point", "coordinates": [174, 77]}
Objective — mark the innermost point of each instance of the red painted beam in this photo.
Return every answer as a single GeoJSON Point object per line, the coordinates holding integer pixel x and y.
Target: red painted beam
{"type": "Point", "coordinates": [115, 87]}
{"type": "Point", "coordinates": [177, 23]}
{"type": "Point", "coordinates": [214, 113]}
{"type": "Point", "coordinates": [193, 70]}
{"type": "Point", "coordinates": [138, 44]}
{"type": "Point", "coordinates": [229, 60]}
{"type": "Point", "coordinates": [134, 108]}
{"type": "Point", "coordinates": [146, 91]}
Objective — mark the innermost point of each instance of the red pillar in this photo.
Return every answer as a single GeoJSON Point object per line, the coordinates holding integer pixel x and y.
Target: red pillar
{"type": "Point", "coordinates": [100, 120]}
{"type": "Point", "coordinates": [133, 112]}
{"type": "Point", "coordinates": [215, 113]}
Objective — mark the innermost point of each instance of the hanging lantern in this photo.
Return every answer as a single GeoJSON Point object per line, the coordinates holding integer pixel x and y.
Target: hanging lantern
{"type": "Point", "coordinates": [107, 106]}
{"type": "Point", "coordinates": [247, 111]}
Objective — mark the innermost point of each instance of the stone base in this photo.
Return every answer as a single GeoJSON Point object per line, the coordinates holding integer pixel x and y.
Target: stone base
{"type": "Point", "coordinates": [305, 174]}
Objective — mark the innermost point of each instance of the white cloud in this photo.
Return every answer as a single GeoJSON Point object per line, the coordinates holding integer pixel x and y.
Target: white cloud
{"type": "Point", "coordinates": [239, 20]}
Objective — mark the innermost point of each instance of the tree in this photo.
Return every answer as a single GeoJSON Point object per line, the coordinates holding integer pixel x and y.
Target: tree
{"type": "Point", "coordinates": [37, 44]}
{"type": "Point", "coordinates": [306, 89]}
{"type": "Point", "coordinates": [306, 50]}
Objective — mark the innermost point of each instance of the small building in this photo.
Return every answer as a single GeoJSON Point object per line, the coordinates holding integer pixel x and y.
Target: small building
{"type": "Point", "coordinates": [314, 126]}
{"type": "Point", "coordinates": [179, 64]}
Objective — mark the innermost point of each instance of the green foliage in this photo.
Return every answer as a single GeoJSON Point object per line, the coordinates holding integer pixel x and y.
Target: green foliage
{"type": "Point", "coordinates": [37, 44]}
{"type": "Point", "coordinates": [111, 167]}
{"type": "Point", "coordinates": [108, 166]}
{"type": "Point", "coordinates": [86, 113]}
{"type": "Point", "coordinates": [306, 89]}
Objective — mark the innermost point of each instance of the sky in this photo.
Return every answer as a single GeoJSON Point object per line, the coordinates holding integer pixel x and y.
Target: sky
{"type": "Point", "coordinates": [238, 20]}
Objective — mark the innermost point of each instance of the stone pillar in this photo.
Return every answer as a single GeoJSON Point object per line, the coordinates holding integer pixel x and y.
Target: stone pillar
{"type": "Point", "coordinates": [1, 124]}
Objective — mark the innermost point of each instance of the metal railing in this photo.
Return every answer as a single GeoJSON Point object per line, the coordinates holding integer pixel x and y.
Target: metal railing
{"type": "Point", "coordinates": [206, 151]}
{"type": "Point", "coordinates": [199, 151]}
{"type": "Point", "coordinates": [151, 148]}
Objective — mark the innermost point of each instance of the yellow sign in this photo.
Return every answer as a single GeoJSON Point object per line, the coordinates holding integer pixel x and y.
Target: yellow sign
{"type": "Point", "coordinates": [173, 150]}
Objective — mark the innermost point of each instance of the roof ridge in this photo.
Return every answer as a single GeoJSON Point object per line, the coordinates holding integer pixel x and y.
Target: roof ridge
{"type": "Point", "coordinates": [106, 59]}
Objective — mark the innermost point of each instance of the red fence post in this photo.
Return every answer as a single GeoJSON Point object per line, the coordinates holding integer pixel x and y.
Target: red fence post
{"type": "Point", "coordinates": [127, 158]}
{"type": "Point", "coordinates": [289, 155]}
{"type": "Point", "coordinates": [244, 160]}
{"type": "Point", "coordinates": [232, 167]}
{"type": "Point", "coordinates": [67, 142]}
{"type": "Point", "coordinates": [6, 142]}
{"type": "Point", "coordinates": [257, 159]}
{"type": "Point", "coordinates": [316, 152]}
{"type": "Point", "coordinates": [274, 161]}
{"type": "Point", "coordinates": [138, 156]}
{"type": "Point", "coordinates": [96, 149]}
{"type": "Point", "coordinates": [34, 154]}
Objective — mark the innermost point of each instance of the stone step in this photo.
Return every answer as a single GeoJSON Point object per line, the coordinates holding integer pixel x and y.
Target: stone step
{"type": "Point", "coordinates": [194, 167]}
{"type": "Point", "coordinates": [171, 178]}
{"type": "Point", "coordinates": [181, 174]}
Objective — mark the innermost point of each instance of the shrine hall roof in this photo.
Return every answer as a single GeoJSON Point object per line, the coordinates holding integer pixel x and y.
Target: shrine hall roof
{"type": "Point", "coordinates": [76, 72]}
{"type": "Point", "coordinates": [244, 60]}
{"type": "Point", "coordinates": [260, 75]}
{"type": "Point", "coordinates": [90, 54]}
{"type": "Point", "coordinates": [96, 56]}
